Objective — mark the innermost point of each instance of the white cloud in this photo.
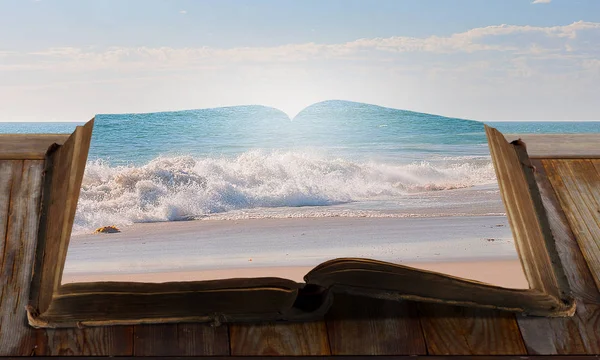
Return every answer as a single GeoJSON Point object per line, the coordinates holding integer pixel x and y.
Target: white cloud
{"type": "Point", "coordinates": [480, 42]}
{"type": "Point", "coordinates": [183, 12]}
{"type": "Point", "coordinates": [469, 74]}
{"type": "Point", "coordinates": [541, 1]}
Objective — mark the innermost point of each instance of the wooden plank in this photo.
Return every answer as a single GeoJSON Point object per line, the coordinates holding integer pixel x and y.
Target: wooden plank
{"type": "Point", "coordinates": [577, 185]}
{"type": "Point", "coordinates": [453, 330]}
{"type": "Point", "coordinates": [309, 338]}
{"type": "Point", "coordinates": [577, 334]}
{"type": "Point", "coordinates": [183, 339]}
{"type": "Point", "coordinates": [384, 327]}
{"type": "Point", "coordinates": [20, 192]}
{"type": "Point", "coordinates": [576, 270]}
{"type": "Point", "coordinates": [559, 146]}
{"type": "Point", "coordinates": [156, 340]}
{"type": "Point", "coordinates": [565, 336]}
{"type": "Point", "coordinates": [596, 163]}
{"type": "Point", "coordinates": [202, 339]}
{"type": "Point", "coordinates": [106, 341]}
{"type": "Point", "coordinates": [28, 146]}
{"type": "Point", "coordinates": [65, 168]}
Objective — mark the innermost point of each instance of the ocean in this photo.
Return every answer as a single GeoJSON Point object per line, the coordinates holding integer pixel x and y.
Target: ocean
{"type": "Point", "coordinates": [335, 158]}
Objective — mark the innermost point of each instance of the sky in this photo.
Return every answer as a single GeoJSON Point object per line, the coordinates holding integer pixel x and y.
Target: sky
{"type": "Point", "coordinates": [489, 60]}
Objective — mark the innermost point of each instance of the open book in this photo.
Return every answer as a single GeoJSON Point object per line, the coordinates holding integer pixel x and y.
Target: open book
{"type": "Point", "coordinates": [53, 304]}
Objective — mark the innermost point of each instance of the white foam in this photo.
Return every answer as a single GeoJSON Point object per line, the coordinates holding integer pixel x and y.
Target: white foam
{"type": "Point", "coordinates": [176, 188]}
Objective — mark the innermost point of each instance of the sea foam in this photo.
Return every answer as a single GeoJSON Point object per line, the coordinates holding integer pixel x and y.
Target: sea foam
{"type": "Point", "coordinates": [187, 187]}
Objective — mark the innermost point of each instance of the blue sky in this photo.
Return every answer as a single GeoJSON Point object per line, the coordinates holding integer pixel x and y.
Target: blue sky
{"type": "Point", "coordinates": [478, 59]}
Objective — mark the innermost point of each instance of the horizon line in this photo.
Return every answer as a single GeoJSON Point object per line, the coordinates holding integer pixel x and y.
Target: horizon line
{"type": "Point", "coordinates": [290, 117]}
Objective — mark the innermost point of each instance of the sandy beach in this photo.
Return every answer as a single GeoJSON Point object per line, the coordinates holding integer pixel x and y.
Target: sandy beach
{"type": "Point", "coordinates": [474, 247]}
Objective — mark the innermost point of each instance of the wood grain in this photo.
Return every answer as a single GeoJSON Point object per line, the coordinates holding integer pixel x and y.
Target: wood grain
{"type": "Point", "coordinates": [203, 339]}
{"type": "Point", "coordinates": [184, 339]}
{"type": "Point", "coordinates": [384, 327]}
{"type": "Point", "coordinates": [20, 192]}
{"type": "Point", "coordinates": [577, 334]}
{"type": "Point", "coordinates": [28, 146]}
{"type": "Point", "coordinates": [106, 341]}
{"type": "Point", "coordinates": [309, 338]}
{"type": "Point", "coordinates": [596, 163]}
{"type": "Point", "coordinates": [65, 168]}
{"type": "Point", "coordinates": [576, 269]}
{"type": "Point", "coordinates": [559, 146]}
{"type": "Point", "coordinates": [156, 340]}
{"type": "Point", "coordinates": [453, 330]}
{"type": "Point", "coordinates": [577, 185]}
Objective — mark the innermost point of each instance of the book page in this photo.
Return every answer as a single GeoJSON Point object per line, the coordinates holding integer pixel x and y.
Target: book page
{"type": "Point", "coordinates": [248, 192]}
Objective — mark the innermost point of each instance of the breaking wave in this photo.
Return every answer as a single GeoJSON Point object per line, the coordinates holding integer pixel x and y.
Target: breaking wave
{"type": "Point", "coordinates": [186, 187]}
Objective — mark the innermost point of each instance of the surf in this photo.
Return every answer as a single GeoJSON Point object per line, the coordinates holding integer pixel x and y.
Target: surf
{"type": "Point", "coordinates": [190, 187]}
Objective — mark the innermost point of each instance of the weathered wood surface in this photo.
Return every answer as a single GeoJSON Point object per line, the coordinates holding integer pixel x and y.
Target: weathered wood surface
{"type": "Point", "coordinates": [20, 192]}
{"type": "Point", "coordinates": [366, 326]}
{"type": "Point", "coordinates": [156, 340]}
{"type": "Point", "coordinates": [28, 146]}
{"type": "Point", "coordinates": [559, 146]}
{"type": "Point", "coordinates": [577, 334]}
{"type": "Point", "coordinates": [453, 330]}
{"type": "Point", "coordinates": [107, 341]}
{"type": "Point", "coordinates": [62, 185]}
{"type": "Point", "coordinates": [185, 339]}
{"type": "Point", "coordinates": [307, 338]}
{"type": "Point", "coordinates": [577, 185]}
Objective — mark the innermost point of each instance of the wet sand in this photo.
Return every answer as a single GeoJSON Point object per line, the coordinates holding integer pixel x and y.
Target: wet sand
{"type": "Point", "coordinates": [474, 247]}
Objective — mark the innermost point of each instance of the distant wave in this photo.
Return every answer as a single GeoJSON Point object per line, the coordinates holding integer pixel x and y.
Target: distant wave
{"type": "Point", "coordinates": [183, 187]}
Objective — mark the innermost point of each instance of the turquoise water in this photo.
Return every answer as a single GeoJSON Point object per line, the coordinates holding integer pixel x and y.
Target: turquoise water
{"type": "Point", "coordinates": [335, 157]}
{"type": "Point", "coordinates": [350, 129]}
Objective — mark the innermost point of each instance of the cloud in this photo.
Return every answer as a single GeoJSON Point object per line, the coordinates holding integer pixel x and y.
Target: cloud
{"type": "Point", "coordinates": [183, 12]}
{"type": "Point", "coordinates": [468, 74]}
{"type": "Point", "coordinates": [541, 1]}
{"type": "Point", "coordinates": [565, 41]}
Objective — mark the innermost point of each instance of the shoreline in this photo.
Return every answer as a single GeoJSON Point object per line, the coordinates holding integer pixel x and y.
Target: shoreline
{"type": "Point", "coordinates": [215, 249]}
{"type": "Point", "coordinates": [471, 201]}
